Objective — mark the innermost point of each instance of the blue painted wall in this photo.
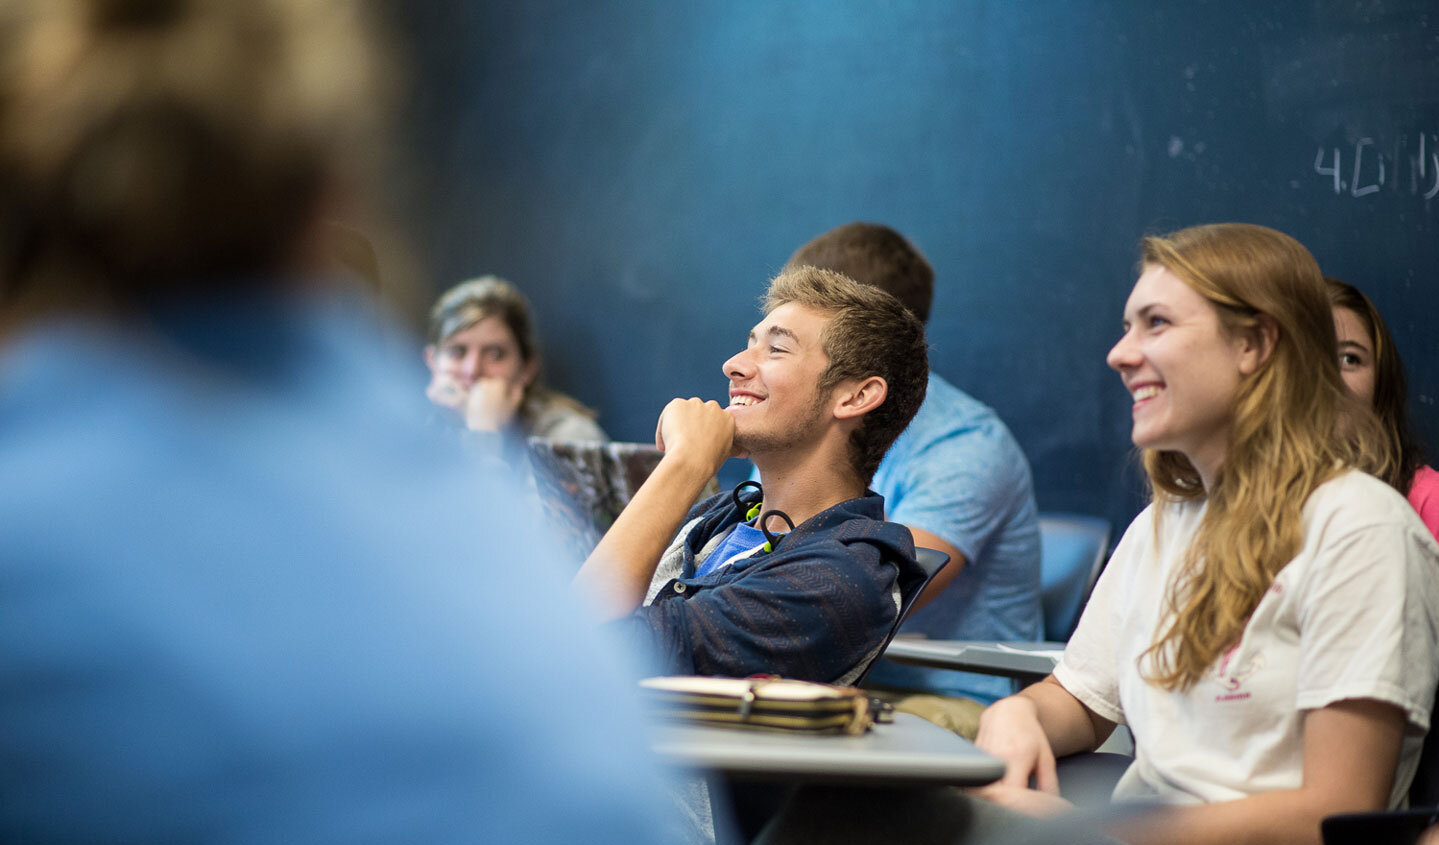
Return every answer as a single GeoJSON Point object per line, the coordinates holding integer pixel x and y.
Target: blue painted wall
{"type": "Point", "coordinates": [642, 168]}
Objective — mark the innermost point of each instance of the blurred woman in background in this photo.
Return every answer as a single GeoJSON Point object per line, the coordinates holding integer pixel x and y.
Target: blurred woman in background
{"type": "Point", "coordinates": [485, 366]}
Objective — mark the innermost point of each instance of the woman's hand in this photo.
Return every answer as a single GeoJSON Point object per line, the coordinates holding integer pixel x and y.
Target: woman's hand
{"type": "Point", "coordinates": [492, 403]}
{"type": "Point", "coordinates": [1031, 802]}
{"type": "Point", "coordinates": [1010, 730]}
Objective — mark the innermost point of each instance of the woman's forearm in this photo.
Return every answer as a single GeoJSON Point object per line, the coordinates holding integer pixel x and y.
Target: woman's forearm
{"type": "Point", "coordinates": [1069, 725]}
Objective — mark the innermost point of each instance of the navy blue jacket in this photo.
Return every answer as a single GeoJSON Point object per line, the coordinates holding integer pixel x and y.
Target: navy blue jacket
{"type": "Point", "coordinates": [813, 609]}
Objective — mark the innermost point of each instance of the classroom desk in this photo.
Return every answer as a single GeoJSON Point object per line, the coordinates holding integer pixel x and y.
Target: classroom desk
{"type": "Point", "coordinates": [908, 752]}
{"type": "Point", "coordinates": [1025, 661]}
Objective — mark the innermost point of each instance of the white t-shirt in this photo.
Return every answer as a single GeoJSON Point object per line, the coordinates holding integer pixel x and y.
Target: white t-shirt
{"type": "Point", "coordinates": [1354, 615]}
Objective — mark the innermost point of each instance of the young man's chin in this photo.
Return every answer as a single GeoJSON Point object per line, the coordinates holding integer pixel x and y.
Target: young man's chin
{"type": "Point", "coordinates": [756, 445]}
{"type": "Point", "coordinates": [750, 444]}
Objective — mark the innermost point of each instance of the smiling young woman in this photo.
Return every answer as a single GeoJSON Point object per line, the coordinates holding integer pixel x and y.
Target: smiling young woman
{"type": "Point", "coordinates": [1263, 292]}
{"type": "Point", "coordinates": [1265, 627]}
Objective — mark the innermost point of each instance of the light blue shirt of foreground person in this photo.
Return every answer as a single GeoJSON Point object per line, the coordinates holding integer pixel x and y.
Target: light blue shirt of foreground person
{"type": "Point", "coordinates": [244, 598]}
{"type": "Point", "coordinates": [958, 473]}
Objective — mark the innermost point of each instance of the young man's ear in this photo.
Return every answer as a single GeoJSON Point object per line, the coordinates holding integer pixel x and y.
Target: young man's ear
{"type": "Point", "coordinates": [856, 398]}
{"type": "Point", "coordinates": [430, 356]}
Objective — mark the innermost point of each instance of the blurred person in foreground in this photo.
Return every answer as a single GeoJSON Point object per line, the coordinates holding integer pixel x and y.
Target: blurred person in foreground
{"type": "Point", "coordinates": [234, 604]}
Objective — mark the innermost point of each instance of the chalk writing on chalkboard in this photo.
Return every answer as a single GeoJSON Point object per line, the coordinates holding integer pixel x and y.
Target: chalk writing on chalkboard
{"type": "Point", "coordinates": [1404, 167]}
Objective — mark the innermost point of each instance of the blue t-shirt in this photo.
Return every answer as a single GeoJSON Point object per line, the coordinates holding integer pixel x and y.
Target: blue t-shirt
{"type": "Point", "coordinates": [958, 473]}
{"type": "Point", "coordinates": [742, 541]}
{"type": "Point", "coordinates": [246, 596]}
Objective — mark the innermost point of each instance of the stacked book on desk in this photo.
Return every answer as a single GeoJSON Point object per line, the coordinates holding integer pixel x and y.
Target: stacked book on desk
{"type": "Point", "coordinates": [761, 703]}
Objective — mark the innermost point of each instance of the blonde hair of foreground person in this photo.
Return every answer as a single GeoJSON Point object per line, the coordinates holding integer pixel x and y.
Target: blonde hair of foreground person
{"type": "Point", "coordinates": [1283, 442]}
{"type": "Point", "coordinates": [149, 151]}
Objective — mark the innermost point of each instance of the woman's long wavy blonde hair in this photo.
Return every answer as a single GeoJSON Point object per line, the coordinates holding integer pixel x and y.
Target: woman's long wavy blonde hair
{"type": "Point", "coordinates": [1293, 427]}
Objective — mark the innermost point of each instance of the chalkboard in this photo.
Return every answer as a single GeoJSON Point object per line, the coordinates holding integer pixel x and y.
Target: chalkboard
{"type": "Point", "coordinates": [642, 168]}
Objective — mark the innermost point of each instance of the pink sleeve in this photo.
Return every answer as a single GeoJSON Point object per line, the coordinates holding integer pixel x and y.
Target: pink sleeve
{"type": "Point", "coordinates": [1424, 496]}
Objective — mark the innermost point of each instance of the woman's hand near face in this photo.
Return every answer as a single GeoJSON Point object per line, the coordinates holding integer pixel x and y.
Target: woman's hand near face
{"type": "Point", "coordinates": [492, 403]}
{"type": "Point", "coordinates": [1010, 730]}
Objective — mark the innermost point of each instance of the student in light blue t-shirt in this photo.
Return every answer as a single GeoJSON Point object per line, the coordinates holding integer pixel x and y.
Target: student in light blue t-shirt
{"type": "Point", "coordinates": [958, 480]}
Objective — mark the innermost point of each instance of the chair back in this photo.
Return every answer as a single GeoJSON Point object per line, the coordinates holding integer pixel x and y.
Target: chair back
{"type": "Point", "coordinates": [1072, 550]}
{"type": "Point", "coordinates": [1424, 789]}
{"type": "Point", "coordinates": [1394, 825]}
{"type": "Point", "coordinates": [584, 485]}
{"type": "Point", "coordinates": [929, 560]}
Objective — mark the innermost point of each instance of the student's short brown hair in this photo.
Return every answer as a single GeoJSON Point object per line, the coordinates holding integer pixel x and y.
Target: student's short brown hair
{"type": "Point", "coordinates": [869, 334]}
{"type": "Point", "coordinates": [874, 255]}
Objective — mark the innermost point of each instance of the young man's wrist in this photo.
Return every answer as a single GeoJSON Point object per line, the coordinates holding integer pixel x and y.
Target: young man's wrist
{"type": "Point", "coordinates": [685, 464]}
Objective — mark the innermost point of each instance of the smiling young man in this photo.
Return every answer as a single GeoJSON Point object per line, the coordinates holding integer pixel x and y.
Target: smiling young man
{"type": "Point", "coordinates": [828, 380]}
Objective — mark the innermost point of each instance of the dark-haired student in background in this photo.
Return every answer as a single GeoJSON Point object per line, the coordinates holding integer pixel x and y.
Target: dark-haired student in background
{"type": "Point", "coordinates": [1370, 364]}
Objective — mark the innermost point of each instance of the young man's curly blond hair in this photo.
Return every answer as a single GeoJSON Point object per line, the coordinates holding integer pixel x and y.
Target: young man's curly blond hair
{"type": "Point", "coordinates": [869, 334]}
